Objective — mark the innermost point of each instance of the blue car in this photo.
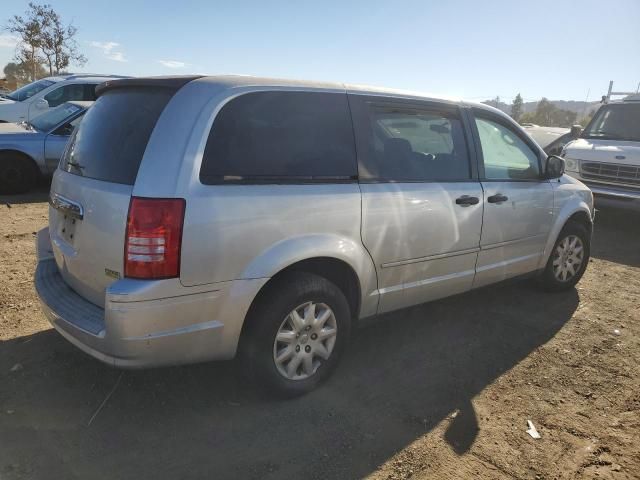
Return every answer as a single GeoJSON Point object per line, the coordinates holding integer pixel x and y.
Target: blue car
{"type": "Point", "coordinates": [29, 150]}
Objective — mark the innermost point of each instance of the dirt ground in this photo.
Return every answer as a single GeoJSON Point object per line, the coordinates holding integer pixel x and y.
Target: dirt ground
{"type": "Point", "coordinates": [438, 391]}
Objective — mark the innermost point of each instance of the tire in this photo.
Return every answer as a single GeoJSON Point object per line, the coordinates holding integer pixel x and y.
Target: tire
{"type": "Point", "coordinates": [273, 314]}
{"type": "Point", "coordinates": [553, 279]}
{"type": "Point", "coordinates": [17, 174]}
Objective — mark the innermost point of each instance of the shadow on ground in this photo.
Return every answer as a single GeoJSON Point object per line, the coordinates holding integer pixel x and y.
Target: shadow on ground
{"type": "Point", "coordinates": [37, 195]}
{"type": "Point", "coordinates": [616, 236]}
{"type": "Point", "coordinates": [402, 375]}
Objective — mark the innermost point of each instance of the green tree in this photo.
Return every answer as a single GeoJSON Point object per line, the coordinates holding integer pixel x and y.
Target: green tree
{"type": "Point", "coordinates": [517, 108]}
{"type": "Point", "coordinates": [18, 74]}
{"type": "Point", "coordinates": [548, 115]}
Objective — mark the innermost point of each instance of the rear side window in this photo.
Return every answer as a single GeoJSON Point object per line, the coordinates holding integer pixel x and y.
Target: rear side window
{"type": "Point", "coordinates": [67, 93]}
{"type": "Point", "coordinates": [413, 145]}
{"type": "Point", "coordinates": [275, 137]}
{"type": "Point", "coordinates": [111, 140]}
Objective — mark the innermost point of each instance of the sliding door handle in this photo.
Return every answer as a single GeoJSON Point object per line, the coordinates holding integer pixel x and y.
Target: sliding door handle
{"type": "Point", "coordinates": [497, 198]}
{"type": "Point", "coordinates": [466, 200]}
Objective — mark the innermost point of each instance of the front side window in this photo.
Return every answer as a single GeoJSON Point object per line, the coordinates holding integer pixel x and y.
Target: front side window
{"type": "Point", "coordinates": [407, 144]}
{"type": "Point", "coordinates": [281, 137]}
{"type": "Point", "coordinates": [616, 122]}
{"type": "Point", "coordinates": [506, 156]}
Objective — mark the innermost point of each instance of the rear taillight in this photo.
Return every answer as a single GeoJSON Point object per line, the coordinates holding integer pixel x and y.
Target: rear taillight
{"type": "Point", "coordinates": [154, 233]}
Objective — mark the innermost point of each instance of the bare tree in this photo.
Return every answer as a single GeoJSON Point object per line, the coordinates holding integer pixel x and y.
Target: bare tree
{"type": "Point", "coordinates": [29, 31]}
{"type": "Point", "coordinates": [58, 42]}
{"type": "Point", "coordinates": [44, 38]}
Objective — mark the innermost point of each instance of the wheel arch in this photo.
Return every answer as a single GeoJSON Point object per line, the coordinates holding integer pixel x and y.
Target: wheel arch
{"type": "Point", "coordinates": [571, 212]}
{"type": "Point", "coordinates": [22, 154]}
{"type": "Point", "coordinates": [336, 270]}
{"type": "Point", "coordinates": [334, 257]}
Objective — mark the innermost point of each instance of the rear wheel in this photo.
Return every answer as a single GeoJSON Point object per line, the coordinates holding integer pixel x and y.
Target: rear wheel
{"type": "Point", "coordinates": [17, 174]}
{"type": "Point", "coordinates": [569, 258]}
{"type": "Point", "coordinates": [296, 334]}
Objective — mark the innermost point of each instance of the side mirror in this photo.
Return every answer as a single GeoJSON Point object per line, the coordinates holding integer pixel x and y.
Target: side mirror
{"type": "Point", "coordinates": [42, 104]}
{"type": "Point", "coordinates": [554, 167]}
{"type": "Point", "coordinates": [576, 131]}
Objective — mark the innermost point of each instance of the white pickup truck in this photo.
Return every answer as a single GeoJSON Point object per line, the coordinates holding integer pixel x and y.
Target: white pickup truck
{"type": "Point", "coordinates": [606, 156]}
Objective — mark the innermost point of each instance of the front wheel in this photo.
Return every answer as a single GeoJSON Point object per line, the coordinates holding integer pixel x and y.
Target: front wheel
{"type": "Point", "coordinates": [569, 258]}
{"type": "Point", "coordinates": [296, 334]}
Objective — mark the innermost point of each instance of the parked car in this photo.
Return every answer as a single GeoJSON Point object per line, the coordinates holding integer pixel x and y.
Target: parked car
{"type": "Point", "coordinates": [31, 149]}
{"type": "Point", "coordinates": [551, 139]}
{"type": "Point", "coordinates": [607, 155]}
{"type": "Point", "coordinates": [34, 99]}
{"type": "Point", "coordinates": [200, 218]}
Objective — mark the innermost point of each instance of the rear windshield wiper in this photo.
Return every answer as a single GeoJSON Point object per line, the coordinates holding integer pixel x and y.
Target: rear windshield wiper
{"type": "Point", "coordinates": [75, 165]}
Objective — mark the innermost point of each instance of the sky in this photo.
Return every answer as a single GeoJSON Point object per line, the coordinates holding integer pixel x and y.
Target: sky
{"type": "Point", "coordinates": [560, 49]}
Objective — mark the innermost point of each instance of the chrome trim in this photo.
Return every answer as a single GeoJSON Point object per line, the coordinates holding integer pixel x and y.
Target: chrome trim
{"type": "Point", "coordinates": [66, 206]}
{"type": "Point", "coordinates": [613, 192]}
{"type": "Point", "coordinates": [430, 257]}
{"type": "Point", "coordinates": [511, 242]}
{"type": "Point", "coordinates": [611, 172]}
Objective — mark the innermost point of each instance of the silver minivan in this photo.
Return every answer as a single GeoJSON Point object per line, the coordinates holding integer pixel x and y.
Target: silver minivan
{"type": "Point", "coordinates": [200, 218]}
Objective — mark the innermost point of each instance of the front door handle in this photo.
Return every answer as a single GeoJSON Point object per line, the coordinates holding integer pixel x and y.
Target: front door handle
{"type": "Point", "coordinates": [497, 198]}
{"type": "Point", "coordinates": [466, 200]}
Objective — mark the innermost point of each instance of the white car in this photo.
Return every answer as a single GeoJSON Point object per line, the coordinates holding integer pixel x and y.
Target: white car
{"type": "Point", "coordinates": [606, 157]}
{"type": "Point", "coordinates": [34, 99]}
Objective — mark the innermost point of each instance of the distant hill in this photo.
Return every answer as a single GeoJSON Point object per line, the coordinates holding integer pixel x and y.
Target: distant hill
{"type": "Point", "coordinates": [581, 108]}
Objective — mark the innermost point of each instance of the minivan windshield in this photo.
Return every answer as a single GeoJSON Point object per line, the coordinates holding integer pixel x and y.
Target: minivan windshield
{"type": "Point", "coordinates": [55, 116]}
{"type": "Point", "coordinates": [29, 90]}
{"type": "Point", "coordinates": [619, 121]}
{"type": "Point", "coordinates": [110, 141]}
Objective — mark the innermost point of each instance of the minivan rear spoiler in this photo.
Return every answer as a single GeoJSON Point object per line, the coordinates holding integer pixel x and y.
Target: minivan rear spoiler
{"type": "Point", "coordinates": [172, 82]}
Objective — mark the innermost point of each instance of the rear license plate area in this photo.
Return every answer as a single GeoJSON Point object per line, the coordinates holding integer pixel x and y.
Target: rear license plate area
{"type": "Point", "coordinates": [68, 228]}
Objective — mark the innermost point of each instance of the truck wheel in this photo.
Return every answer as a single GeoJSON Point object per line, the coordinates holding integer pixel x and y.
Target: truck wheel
{"type": "Point", "coordinates": [569, 258]}
{"type": "Point", "coordinates": [17, 174]}
{"type": "Point", "coordinates": [296, 334]}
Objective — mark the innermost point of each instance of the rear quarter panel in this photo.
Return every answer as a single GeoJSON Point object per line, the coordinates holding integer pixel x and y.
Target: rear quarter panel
{"type": "Point", "coordinates": [237, 232]}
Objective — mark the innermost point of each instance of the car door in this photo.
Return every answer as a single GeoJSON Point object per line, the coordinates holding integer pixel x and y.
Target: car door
{"type": "Point", "coordinates": [518, 200]}
{"type": "Point", "coordinates": [56, 141]}
{"type": "Point", "coordinates": [421, 199]}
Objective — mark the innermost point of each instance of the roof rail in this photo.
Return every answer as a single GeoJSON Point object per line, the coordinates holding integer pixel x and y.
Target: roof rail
{"type": "Point", "coordinates": [607, 98]}
{"type": "Point", "coordinates": [75, 76]}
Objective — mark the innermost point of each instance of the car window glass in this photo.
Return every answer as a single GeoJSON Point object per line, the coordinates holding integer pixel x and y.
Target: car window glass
{"type": "Point", "coordinates": [89, 92]}
{"type": "Point", "coordinates": [616, 122]}
{"type": "Point", "coordinates": [29, 90]}
{"type": "Point", "coordinates": [281, 136]}
{"type": "Point", "coordinates": [109, 143]}
{"type": "Point", "coordinates": [415, 145]}
{"type": "Point", "coordinates": [505, 155]}
{"type": "Point", "coordinates": [65, 94]}
{"type": "Point", "coordinates": [69, 127]}
{"type": "Point", "coordinates": [55, 116]}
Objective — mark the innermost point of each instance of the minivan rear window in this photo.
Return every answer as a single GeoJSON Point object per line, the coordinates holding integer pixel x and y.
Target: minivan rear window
{"type": "Point", "coordinates": [281, 137]}
{"type": "Point", "coordinates": [111, 139]}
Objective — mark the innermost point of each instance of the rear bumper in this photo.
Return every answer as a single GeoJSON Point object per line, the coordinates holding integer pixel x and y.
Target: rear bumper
{"type": "Point", "coordinates": [138, 329]}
